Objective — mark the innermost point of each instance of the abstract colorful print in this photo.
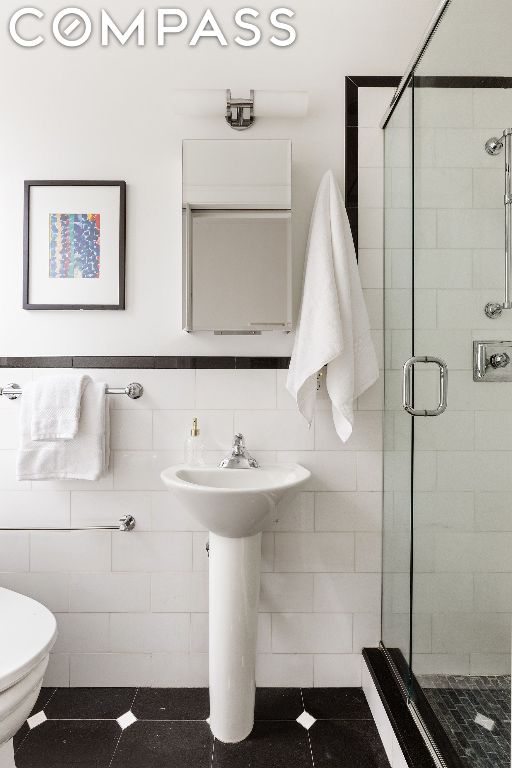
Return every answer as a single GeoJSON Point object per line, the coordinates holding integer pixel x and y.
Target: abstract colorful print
{"type": "Point", "coordinates": [74, 245]}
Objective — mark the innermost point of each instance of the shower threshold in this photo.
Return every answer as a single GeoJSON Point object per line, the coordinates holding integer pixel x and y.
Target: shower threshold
{"type": "Point", "coordinates": [422, 737]}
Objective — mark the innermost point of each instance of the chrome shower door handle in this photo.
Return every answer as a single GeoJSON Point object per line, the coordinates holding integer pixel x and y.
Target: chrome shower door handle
{"type": "Point", "coordinates": [407, 386]}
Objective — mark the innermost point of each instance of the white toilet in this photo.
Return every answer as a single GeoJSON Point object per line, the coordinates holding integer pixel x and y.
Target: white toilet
{"type": "Point", "coordinates": [28, 631]}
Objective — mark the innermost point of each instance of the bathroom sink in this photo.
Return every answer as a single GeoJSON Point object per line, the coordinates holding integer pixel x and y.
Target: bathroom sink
{"type": "Point", "coordinates": [233, 502]}
{"type": "Point", "coordinates": [234, 505]}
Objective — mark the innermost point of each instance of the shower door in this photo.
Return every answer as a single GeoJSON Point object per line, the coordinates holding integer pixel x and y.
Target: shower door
{"type": "Point", "coordinates": [447, 582]}
{"type": "Point", "coordinates": [461, 576]}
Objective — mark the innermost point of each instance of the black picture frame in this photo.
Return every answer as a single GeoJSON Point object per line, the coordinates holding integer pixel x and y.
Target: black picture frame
{"type": "Point", "coordinates": [121, 305]}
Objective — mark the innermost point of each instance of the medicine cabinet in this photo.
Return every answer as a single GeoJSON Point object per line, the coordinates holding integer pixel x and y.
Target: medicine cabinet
{"type": "Point", "coordinates": [237, 236]}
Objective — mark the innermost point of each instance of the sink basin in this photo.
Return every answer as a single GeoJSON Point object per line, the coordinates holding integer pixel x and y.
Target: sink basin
{"type": "Point", "coordinates": [233, 502]}
{"type": "Point", "coordinates": [234, 505]}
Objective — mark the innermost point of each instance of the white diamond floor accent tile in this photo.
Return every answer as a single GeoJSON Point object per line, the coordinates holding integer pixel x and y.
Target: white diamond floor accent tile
{"type": "Point", "coordinates": [306, 720]}
{"type": "Point", "coordinates": [485, 722]}
{"type": "Point", "coordinates": [126, 720]}
{"type": "Point", "coordinates": [36, 720]}
{"type": "Point", "coordinates": [208, 720]}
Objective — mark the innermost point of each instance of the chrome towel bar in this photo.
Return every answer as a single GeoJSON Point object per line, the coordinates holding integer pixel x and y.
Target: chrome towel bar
{"type": "Point", "coordinates": [133, 391]}
{"type": "Point", "coordinates": [126, 523]}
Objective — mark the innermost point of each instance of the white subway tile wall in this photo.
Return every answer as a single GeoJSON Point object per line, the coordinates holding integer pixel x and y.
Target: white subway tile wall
{"type": "Point", "coordinates": [463, 526]}
{"type": "Point", "coordinates": [132, 607]}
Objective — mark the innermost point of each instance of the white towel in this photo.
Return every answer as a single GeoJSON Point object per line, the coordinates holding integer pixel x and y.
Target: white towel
{"type": "Point", "coordinates": [84, 457]}
{"type": "Point", "coordinates": [56, 407]}
{"type": "Point", "coordinates": [333, 327]}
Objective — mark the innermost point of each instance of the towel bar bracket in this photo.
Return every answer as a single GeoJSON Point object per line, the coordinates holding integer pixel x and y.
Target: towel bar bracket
{"type": "Point", "coordinates": [10, 391]}
{"type": "Point", "coordinates": [134, 391]}
{"type": "Point", "coordinates": [321, 378]}
{"type": "Point", "coordinates": [126, 523]}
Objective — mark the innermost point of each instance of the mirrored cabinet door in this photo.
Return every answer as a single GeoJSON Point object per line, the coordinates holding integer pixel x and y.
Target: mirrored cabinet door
{"type": "Point", "coordinates": [237, 200]}
{"type": "Point", "coordinates": [239, 270]}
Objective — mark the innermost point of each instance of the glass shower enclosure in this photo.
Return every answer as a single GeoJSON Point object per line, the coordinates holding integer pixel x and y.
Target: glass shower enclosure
{"type": "Point", "coordinates": [447, 543]}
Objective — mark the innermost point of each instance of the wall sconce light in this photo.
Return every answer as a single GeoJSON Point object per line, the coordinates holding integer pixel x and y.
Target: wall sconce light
{"type": "Point", "coordinates": [241, 113]}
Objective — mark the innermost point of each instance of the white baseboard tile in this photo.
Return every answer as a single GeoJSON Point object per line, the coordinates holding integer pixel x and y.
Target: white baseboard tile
{"type": "Point", "coordinates": [110, 670]}
{"type": "Point", "coordinates": [179, 670]}
{"type": "Point", "coordinates": [284, 670]}
{"type": "Point", "coordinates": [337, 670]}
{"type": "Point", "coordinates": [57, 671]}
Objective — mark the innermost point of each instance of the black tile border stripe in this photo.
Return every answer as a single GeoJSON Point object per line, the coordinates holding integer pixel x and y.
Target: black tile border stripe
{"type": "Point", "coordinates": [179, 362]}
{"type": "Point", "coordinates": [456, 81]}
{"type": "Point", "coordinates": [36, 362]}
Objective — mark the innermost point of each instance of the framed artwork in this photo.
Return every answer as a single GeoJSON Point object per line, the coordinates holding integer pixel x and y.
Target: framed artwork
{"type": "Point", "coordinates": [74, 245]}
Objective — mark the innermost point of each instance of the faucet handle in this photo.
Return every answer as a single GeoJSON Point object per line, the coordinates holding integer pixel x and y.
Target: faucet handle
{"type": "Point", "coordinates": [239, 458]}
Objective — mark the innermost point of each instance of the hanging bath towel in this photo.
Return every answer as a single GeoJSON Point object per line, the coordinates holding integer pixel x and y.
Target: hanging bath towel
{"type": "Point", "coordinates": [56, 406]}
{"type": "Point", "coordinates": [333, 327]}
{"type": "Point", "coordinates": [83, 457]}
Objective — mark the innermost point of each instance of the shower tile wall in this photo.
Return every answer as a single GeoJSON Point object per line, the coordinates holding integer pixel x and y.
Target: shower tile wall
{"type": "Point", "coordinates": [463, 520]}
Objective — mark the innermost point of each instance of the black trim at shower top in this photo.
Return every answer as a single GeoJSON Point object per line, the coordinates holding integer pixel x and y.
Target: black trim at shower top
{"type": "Point", "coordinates": [177, 362]}
{"type": "Point", "coordinates": [352, 85]}
{"type": "Point", "coordinates": [456, 81]}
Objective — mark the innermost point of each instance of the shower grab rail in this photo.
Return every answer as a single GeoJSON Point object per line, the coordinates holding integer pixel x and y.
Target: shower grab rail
{"type": "Point", "coordinates": [133, 391]}
{"type": "Point", "coordinates": [126, 523]}
{"type": "Point", "coordinates": [407, 386]}
{"type": "Point", "coordinates": [494, 146]}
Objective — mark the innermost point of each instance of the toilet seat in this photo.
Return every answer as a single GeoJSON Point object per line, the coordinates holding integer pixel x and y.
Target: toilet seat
{"type": "Point", "coordinates": [28, 632]}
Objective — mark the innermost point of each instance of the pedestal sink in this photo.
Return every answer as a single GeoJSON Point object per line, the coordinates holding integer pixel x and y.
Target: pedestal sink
{"type": "Point", "coordinates": [234, 505]}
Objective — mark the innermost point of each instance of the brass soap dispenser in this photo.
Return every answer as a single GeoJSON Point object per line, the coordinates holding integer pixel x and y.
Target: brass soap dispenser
{"type": "Point", "coordinates": [194, 447]}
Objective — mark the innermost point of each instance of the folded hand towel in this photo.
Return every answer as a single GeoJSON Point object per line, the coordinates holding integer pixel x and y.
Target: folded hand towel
{"type": "Point", "coordinates": [84, 457]}
{"type": "Point", "coordinates": [333, 327]}
{"type": "Point", "coordinates": [56, 407]}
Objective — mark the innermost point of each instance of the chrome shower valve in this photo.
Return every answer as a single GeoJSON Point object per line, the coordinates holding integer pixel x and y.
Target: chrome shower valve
{"type": "Point", "coordinates": [499, 360]}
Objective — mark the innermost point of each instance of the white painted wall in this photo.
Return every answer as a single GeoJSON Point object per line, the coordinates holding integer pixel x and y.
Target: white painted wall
{"type": "Point", "coordinates": [107, 113]}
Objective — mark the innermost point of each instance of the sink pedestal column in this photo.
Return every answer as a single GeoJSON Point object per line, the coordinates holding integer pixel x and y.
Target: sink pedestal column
{"type": "Point", "coordinates": [7, 755]}
{"type": "Point", "coordinates": [234, 595]}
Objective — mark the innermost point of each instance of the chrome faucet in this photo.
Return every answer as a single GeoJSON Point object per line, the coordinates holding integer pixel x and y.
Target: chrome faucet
{"type": "Point", "coordinates": [239, 458]}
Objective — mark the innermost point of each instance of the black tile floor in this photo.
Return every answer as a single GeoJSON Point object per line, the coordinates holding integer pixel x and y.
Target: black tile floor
{"type": "Point", "coordinates": [167, 728]}
{"type": "Point", "coordinates": [458, 700]}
